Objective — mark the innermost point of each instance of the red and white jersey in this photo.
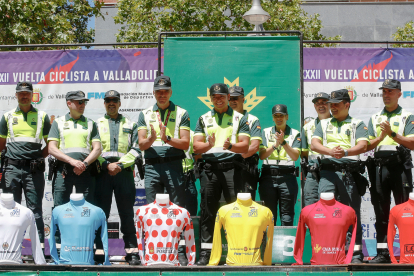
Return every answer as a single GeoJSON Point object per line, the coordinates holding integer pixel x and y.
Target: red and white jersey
{"type": "Point", "coordinates": [161, 226]}
{"type": "Point", "coordinates": [328, 222]}
{"type": "Point", "coordinates": [402, 216]}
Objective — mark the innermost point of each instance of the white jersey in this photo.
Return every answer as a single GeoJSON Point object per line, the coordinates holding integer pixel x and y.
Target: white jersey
{"type": "Point", "coordinates": [161, 226]}
{"type": "Point", "coordinates": [14, 221]}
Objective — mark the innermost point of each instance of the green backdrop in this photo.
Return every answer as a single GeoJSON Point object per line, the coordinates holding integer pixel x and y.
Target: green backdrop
{"type": "Point", "coordinates": [268, 68]}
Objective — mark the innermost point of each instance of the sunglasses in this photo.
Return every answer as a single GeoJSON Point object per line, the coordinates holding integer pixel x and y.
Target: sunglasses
{"type": "Point", "coordinates": [81, 102]}
{"type": "Point", "coordinates": [111, 100]}
{"type": "Point", "coordinates": [234, 98]}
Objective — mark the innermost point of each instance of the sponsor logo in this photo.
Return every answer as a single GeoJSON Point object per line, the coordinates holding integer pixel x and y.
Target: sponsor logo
{"type": "Point", "coordinates": [319, 216]}
{"type": "Point", "coordinates": [407, 215]}
{"type": "Point", "coordinates": [154, 216]}
{"type": "Point", "coordinates": [86, 213]}
{"type": "Point", "coordinates": [331, 250]}
{"type": "Point", "coordinates": [251, 99]}
{"type": "Point", "coordinates": [236, 215]}
{"type": "Point", "coordinates": [165, 250]}
{"type": "Point", "coordinates": [5, 246]}
{"type": "Point", "coordinates": [172, 214]}
{"type": "Point", "coordinates": [317, 248]}
{"type": "Point", "coordinates": [337, 214]}
{"type": "Point", "coordinates": [237, 254]}
{"type": "Point", "coordinates": [235, 208]}
{"type": "Point", "coordinates": [68, 216]}
{"type": "Point", "coordinates": [77, 248]}
{"type": "Point", "coordinates": [319, 210]}
{"type": "Point", "coordinates": [15, 213]}
{"type": "Point", "coordinates": [151, 250]}
{"type": "Point", "coordinates": [253, 213]}
{"type": "Point", "coordinates": [245, 248]}
{"type": "Point", "coordinates": [68, 210]}
{"type": "Point", "coordinates": [409, 248]}
{"type": "Point", "coordinates": [407, 209]}
{"type": "Point", "coordinates": [37, 96]}
{"type": "Point", "coordinates": [352, 93]}
{"type": "Point", "coordinates": [15, 121]}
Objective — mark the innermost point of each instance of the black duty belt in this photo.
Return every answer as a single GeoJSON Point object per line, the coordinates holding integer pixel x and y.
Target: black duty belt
{"type": "Point", "coordinates": [388, 160]}
{"type": "Point", "coordinates": [160, 160]}
{"type": "Point", "coordinates": [279, 171]}
{"type": "Point", "coordinates": [343, 167]}
{"type": "Point", "coordinates": [16, 162]}
{"type": "Point", "coordinates": [222, 166]}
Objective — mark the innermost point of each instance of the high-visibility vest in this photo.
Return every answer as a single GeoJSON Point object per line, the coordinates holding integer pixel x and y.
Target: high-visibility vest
{"type": "Point", "coordinates": [19, 132]}
{"type": "Point", "coordinates": [289, 140]}
{"type": "Point", "coordinates": [74, 139]}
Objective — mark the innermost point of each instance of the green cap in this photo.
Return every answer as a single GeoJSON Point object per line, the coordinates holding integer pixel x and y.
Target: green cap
{"type": "Point", "coordinates": [162, 83]}
{"type": "Point", "coordinates": [24, 86]}
{"type": "Point", "coordinates": [391, 84]}
{"type": "Point", "coordinates": [340, 95]}
{"type": "Point", "coordinates": [112, 94]}
{"type": "Point", "coordinates": [279, 108]}
{"type": "Point", "coordinates": [219, 88]}
{"type": "Point", "coordinates": [76, 95]}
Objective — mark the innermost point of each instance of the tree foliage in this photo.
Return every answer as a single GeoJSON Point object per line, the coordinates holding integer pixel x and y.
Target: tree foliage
{"type": "Point", "coordinates": [46, 21]}
{"type": "Point", "coordinates": [143, 19]}
{"type": "Point", "coordinates": [405, 33]}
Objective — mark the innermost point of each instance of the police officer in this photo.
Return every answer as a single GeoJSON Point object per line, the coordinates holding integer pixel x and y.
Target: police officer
{"type": "Point", "coordinates": [221, 135]}
{"type": "Point", "coordinates": [119, 137]}
{"type": "Point", "coordinates": [340, 140]}
{"type": "Point", "coordinates": [25, 128]}
{"type": "Point", "coordinates": [280, 149]}
{"type": "Point", "coordinates": [310, 190]}
{"type": "Point", "coordinates": [74, 141]}
{"type": "Point", "coordinates": [164, 135]}
{"type": "Point", "coordinates": [251, 158]}
{"type": "Point", "coordinates": [391, 171]}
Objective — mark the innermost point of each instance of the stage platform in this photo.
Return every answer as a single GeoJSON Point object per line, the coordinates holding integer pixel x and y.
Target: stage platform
{"type": "Point", "coordinates": [125, 270]}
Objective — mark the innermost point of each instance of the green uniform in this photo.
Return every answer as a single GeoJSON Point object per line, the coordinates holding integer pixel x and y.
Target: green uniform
{"type": "Point", "coordinates": [250, 179]}
{"type": "Point", "coordinates": [74, 139]}
{"type": "Point", "coordinates": [218, 174]}
{"type": "Point", "coordinates": [345, 134]}
{"type": "Point", "coordinates": [395, 174]}
{"type": "Point", "coordinates": [163, 163]}
{"type": "Point", "coordinates": [119, 139]}
{"type": "Point", "coordinates": [278, 185]}
{"type": "Point", "coordinates": [310, 190]}
{"type": "Point", "coordinates": [24, 133]}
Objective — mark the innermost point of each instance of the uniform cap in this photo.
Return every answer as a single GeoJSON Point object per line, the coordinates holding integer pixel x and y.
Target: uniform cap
{"type": "Point", "coordinates": [76, 95]}
{"type": "Point", "coordinates": [279, 108]}
{"type": "Point", "coordinates": [321, 95]}
{"type": "Point", "coordinates": [236, 91]}
{"type": "Point", "coordinates": [219, 88]}
{"type": "Point", "coordinates": [338, 96]}
{"type": "Point", "coordinates": [162, 82]}
{"type": "Point", "coordinates": [112, 94]}
{"type": "Point", "coordinates": [391, 84]}
{"type": "Point", "coordinates": [24, 86]}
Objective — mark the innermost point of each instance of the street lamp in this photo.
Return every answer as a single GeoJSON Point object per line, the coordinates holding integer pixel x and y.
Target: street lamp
{"type": "Point", "coordinates": [256, 16]}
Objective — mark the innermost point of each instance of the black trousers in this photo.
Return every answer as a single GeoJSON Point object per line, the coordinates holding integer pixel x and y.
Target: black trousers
{"type": "Point", "coordinates": [213, 183]}
{"type": "Point", "coordinates": [393, 179]}
{"type": "Point", "coordinates": [279, 190]}
{"type": "Point", "coordinates": [122, 186]}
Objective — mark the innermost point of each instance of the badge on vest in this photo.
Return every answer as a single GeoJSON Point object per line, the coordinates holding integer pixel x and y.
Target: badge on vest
{"type": "Point", "coordinates": [172, 120]}
{"type": "Point", "coordinates": [33, 123]}
{"type": "Point", "coordinates": [209, 126]}
{"type": "Point", "coordinates": [348, 132]}
{"type": "Point", "coordinates": [84, 127]}
{"type": "Point", "coordinates": [230, 123]}
{"type": "Point", "coordinates": [127, 130]}
{"type": "Point", "coordinates": [396, 123]}
{"type": "Point", "coordinates": [152, 121]}
{"type": "Point", "coordinates": [15, 121]}
{"type": "Point", "coordinates": [66, 126]}
{"type": "Point", "coordinates": [379, 120]}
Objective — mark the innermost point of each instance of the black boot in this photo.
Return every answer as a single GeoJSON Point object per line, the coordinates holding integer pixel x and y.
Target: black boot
{"type": "Point", "coordinates": [204, 258]}
{"type": "Point", "coordinates": [383, 257]}
{"type": "Point", "coordinates": [182, 259]}
{"type": "Point", "coordinates": [133, 259]}
{"type": "Point", "coordinates": [357, 257]}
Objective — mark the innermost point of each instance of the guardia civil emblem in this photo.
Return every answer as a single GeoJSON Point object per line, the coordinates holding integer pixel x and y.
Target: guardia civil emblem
{"type": "Point", "coordinates": [15, 120]}
{"type": "Point", "coordinates": [387, 81]}
{"type": "Point", "coordinates": [5, 246]}
{"type": "Point", "coordinates": [278, 108]}
{"type": "Point", "coordinates": [330, 127]}
{"type": "Point", "coordinates": [152, 116]}
{"type": "Point", "coordinates": [111, 93]}
{"type": "Point", "coordinates": [210, 121]}
{"type": "Point", "coordinates": [379, 120]}
{"type": "Point", "coordinates": [216, 88]}
{"type": "Point", "coordinates": [161, 82]}
{"type": "Point", "coordinates": [319, 95]}
{"type": "Point", "coordinates": [81, 93]}
{"type": "Point", "coordinates": [333, 95]}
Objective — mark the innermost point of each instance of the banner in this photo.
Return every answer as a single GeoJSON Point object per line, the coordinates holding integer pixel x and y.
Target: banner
{"type": "Point", "coordinates": [362, 71]}
{"type": "Point", "coordinates": [53, 73]}
{"type": "Point", "coordinates": [268, 68]}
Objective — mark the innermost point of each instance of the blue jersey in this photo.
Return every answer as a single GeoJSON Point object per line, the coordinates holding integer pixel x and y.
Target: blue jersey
{"type": "Point", "coordinates": [77, 221]}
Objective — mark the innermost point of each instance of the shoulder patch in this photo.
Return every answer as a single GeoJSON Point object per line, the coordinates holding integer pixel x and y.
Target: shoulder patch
{"type": "Point", "coordinates": [259, 127]}
{"type": "Point", "coordinates": [412, 122]}
{"type": "Point", "coordinates": [299, 139]}
{"type": "Point", "coordinates": [365, 128]}
{"type": "Point", "coordinates": [247, 123]}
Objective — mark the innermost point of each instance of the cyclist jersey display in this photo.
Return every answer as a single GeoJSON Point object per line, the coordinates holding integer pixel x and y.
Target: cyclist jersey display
{"type": "Point", "coordinates": [402, 216]}
{"type": "Point", "coordinates": [245, 223]}
{"type": "Point", "coordinates": [328, 222]}
{"type": "Point", "coordinates": [14, 221]}
{"type": "Point", "coordinates": [78, 222]}
{"type": "Point", "coordinates": [160, 225]}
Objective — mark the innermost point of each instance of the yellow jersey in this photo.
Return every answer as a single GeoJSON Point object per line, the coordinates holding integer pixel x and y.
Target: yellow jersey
{"type": "Point", "coordinates": [245, 223]}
